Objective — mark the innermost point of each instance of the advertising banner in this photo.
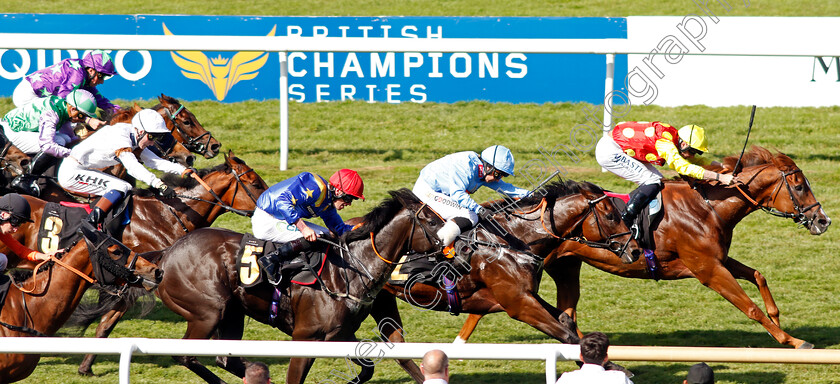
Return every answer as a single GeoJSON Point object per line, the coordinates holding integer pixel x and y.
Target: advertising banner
{"type": "Point", "coordinates": [332, 76]}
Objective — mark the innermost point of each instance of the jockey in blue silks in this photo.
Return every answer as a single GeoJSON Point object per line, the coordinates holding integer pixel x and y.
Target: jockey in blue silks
{"type": "Point", "coordinates": [281, 208]}
{"type": "Point", "coordinates": [446, 184]}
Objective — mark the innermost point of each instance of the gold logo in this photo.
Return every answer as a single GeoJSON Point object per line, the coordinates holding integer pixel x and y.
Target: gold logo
{"type": "Point", "coordinates": [219, 73]}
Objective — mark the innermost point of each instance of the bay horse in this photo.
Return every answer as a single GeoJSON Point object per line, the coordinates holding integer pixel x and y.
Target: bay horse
{"type": "Point", "coordinates": [156, 224]}
{"type": "Point", "coordinates": [41, 304]}
{"type": "Point", "coordinates": [214, 304]}
{"type": "Point", "coordinates": [504, 278]}
{"type": "Point", "coordinates": [695, 233]}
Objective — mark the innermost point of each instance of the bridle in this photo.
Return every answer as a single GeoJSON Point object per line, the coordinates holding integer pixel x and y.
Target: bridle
{"type": "Point", "coordinates": [609, 243]}
{"type": "Point", "coordinates": [798, 215]}
{"type": "Point", "coordinates": [218, 200]}
{"type": "Point", "coordinates": [409, 251]}
{"type": "Point", "coordinates": [194, 144]}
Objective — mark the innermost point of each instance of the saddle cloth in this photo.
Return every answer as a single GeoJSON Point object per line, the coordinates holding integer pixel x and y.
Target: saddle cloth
{"type": "Point", "coordinates": [647, 220]}
{"type": "Point", "coordinates": [304, 269]}
{"type": "Point", "coordinates": [60, 223]}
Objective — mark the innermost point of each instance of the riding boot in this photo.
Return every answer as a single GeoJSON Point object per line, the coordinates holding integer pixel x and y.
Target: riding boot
{"type": "Point", "coordinates": [270, 263]}
{"type": "Point", "coordinates": [638, 200]}
{"type": "Point", "coordinates": [97, 215]}
{"type": "Point", "coordinates": [41, 162]}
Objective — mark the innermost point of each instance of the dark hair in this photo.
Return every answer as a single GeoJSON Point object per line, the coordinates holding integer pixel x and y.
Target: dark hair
{"type": "Point", "coordinates": [593, 348]}
{"type": "Point", "coordinates": [257, 373]}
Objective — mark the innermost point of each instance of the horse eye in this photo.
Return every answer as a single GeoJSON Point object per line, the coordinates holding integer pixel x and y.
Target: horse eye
{"type": "Point", "coordinates": [187, 122]}
{"type": "Point", "coordinates": [798, 188]}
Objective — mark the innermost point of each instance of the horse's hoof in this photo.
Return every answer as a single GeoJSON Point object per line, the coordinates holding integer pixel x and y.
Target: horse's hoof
{"type": "Point", "coordinates": [805, 345]}
{"type": "Point", "coordinates": [88, 372]}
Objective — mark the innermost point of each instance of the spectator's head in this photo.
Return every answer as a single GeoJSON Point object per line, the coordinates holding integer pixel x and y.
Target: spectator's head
{"type": "Point", "coordinates": [257, 373]}
{"type": "Point", "coordinates": [435, 365]}
{"type": "Point", "coordinates": [593, 348]}
{"type": "Point", "coordinates": [700, 373]}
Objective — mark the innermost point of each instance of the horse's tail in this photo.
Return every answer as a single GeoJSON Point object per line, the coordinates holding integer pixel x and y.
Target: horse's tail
{"type": "Point", "coordinates": [88, 311]}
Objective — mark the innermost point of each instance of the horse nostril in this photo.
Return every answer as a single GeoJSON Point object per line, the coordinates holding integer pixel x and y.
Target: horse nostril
{"type": "Point", "coordinates": [636, 253]}
{"type": "Point", "coordinates": [215, 148]}
{"type": "Point", "coordinates": [158, 275]}
{"type": "Point", "coordinates": [190, 160]}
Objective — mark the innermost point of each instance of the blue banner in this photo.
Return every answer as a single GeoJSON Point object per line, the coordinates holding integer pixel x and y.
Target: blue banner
{"type": "Point", "coordinates": [327, 76]}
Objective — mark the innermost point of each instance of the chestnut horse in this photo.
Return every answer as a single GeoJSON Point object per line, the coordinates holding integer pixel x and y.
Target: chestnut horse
{"type": "Point", "coordinates": [501, 278]}
{"type": "Point", "coordinates": [695, 233]}
{"type": "Point", "coordinates": [41, 304]}
{"type": "Point", "coordinates": [215, 305]}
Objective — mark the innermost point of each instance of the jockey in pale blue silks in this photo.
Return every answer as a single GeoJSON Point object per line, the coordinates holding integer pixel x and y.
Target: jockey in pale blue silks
{"type": "Point", "coordinates": [446, 184]}
{"type": "Point", "coordinates": [66, 76]}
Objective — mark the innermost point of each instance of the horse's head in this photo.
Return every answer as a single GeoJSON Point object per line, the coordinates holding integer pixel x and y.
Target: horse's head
{"type": "Point", "coordinates": [186, 128]}
{"type": "Point", "coordinates": [780, 187]}
{"type": "Point", "coordinates": [582, 212]}
{"type": "Point", "coordinates": [138, 271]}
{"type": "Point", "coordinates": [176, 152]}
{"type": "Point", "coordinates": [230, 186]}
{"type": "Point", "coordinates": [13, 162]}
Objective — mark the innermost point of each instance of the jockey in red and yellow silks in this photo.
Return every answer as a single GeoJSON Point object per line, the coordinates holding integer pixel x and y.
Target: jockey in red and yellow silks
{"type": "Point", "coordinates": [634, 147]}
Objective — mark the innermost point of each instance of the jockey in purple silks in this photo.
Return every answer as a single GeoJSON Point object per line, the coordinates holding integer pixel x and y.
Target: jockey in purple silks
{"type": "Point", "coordinates": [66, 76]}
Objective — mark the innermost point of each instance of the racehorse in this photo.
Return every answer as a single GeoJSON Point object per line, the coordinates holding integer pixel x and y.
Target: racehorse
{"type": "Point", "coordinates": [156, 224]}
{"type": "Point", "coordinates": [504, 278]}
{"type": "Point", "coordinates": [214, 304]}
{"type": "Point", "coordinates": [41, 304]}
{"type": "Point", "coordinates": [694, 235]}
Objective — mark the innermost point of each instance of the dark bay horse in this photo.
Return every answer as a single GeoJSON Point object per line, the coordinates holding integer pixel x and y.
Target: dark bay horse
{"type": "Point", "coordinates": [44, 302]}
{"type": "Point", "coordinates": [502, 278]}
{"type": "Point", "coordinates": [214, 304]}
{"type": "Point", "coordinates": [695, 233]}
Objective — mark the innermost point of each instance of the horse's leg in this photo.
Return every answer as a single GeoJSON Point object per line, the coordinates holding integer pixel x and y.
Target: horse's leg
{"type": "Point", "coordinates": [741, 271]}
{"type": "Point", "coordinates": [721, 281]}
{"type": "Point", "coordinates": [231, 327]}
{"type": "Point", "coordinates": [105, 327]}
{"type": "Point", "coordinates": [298, 369]}
{"type": "Point", "coordinates": [468, 328]}
{"type": "Point", "coordinates": [536, 312]}
{"type": "Point", "coordinates": [565, 271]}
{"type": "Point", "coordinates": [199, 330]}
{"type": "Point", "coordinates": [390, 326]}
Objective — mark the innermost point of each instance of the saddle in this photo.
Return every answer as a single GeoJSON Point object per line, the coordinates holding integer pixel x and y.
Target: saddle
{"type": "Point", "coordinates": [648, 219]}
{"type": "Point", "coordinates": [303, 269]}
{"type": "Point", "coordinates": [60, 223]}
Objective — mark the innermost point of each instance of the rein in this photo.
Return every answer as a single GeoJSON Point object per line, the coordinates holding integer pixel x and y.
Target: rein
{"type": "Point", "coordinates": [219, 202]}
{"type": "Point", "coordinates": [56, 261]}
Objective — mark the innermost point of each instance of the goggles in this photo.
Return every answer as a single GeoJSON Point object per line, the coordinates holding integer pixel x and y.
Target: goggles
{"type": "Point", "coordinates": [15, 221]}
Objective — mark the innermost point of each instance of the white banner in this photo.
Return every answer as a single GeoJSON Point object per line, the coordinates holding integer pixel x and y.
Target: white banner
{"type": "Point", "coordinates": [684, 79]}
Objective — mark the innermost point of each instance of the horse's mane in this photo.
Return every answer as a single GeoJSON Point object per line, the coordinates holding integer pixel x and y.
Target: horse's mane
{"type": "Point", "coordinates": [382, 215]}
{"type": "Point", "coordinates": [178, 181]}
{"type": "Point", "coordinates": [552, 191]}
{"type": "Point", "coordinates": [123, 115]}
{"type": "Point", "coordinates": [755, 156]}
{"type": "Point", "coordinates": [163, 98]}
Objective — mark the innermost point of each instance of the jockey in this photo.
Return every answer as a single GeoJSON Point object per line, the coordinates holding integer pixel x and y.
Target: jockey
{"type": "Point", "coordinates": [446, 184]}
{"type": "Point", "coordinates": [44, 128]}
{"type": "Point", "coordinates": [281, 208]}
{"type": "Point", "coordinates": [67, 75]}
{"type": "Point", "coordinates": [634, 147]}
{"type": "Point", "coordinates": [14, 211]}
{"type": "Point", "coordinates": [116, 144]}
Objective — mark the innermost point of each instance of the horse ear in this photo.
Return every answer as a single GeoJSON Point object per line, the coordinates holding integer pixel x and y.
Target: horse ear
{"type": "Point", "coordinates": [137, 108]}
{"type": "Point", "coordinates": [161, 97]}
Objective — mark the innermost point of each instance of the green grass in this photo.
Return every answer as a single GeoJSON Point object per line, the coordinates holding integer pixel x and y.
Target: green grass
{"type": "Point", "coordinates": [426, 8]}
{"type": "Point", "coordinates": [389, 144]}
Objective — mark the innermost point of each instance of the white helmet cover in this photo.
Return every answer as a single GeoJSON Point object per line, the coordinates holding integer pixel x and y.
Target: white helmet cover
{"type": "Point", "coordinates": [149, 121]}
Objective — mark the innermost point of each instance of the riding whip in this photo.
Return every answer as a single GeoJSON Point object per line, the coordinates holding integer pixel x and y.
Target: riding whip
{"type": "Point", "coordinates": [752, 116]}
